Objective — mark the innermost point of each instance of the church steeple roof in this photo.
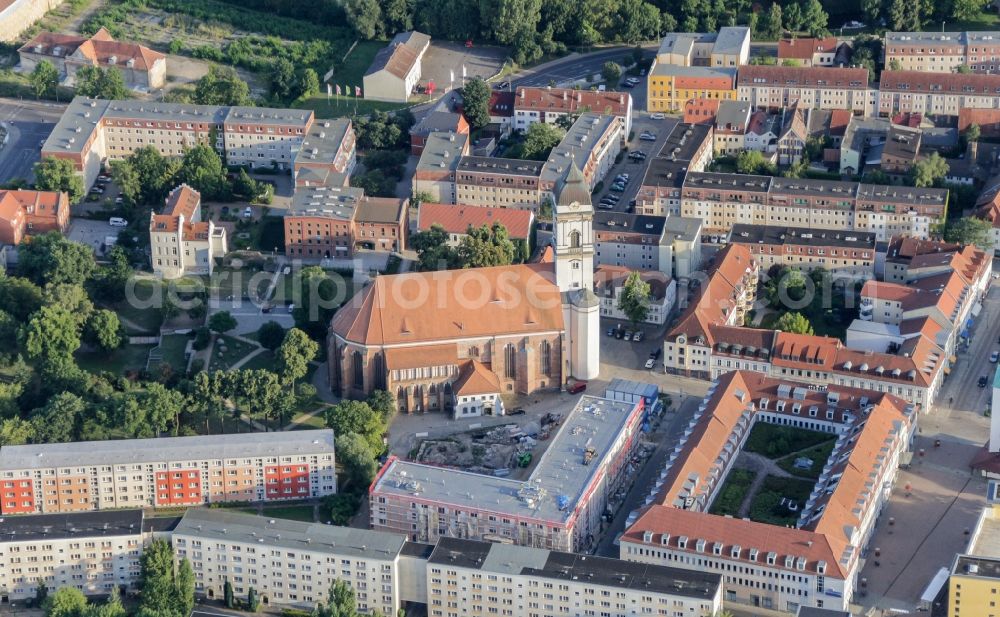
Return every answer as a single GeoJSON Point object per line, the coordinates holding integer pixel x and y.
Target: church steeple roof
{"type": "Point", "coordinates": [574, 188]}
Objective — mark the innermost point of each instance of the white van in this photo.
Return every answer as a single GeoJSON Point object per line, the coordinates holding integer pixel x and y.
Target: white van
{"type": "Point", "coordinates": [117, 221]}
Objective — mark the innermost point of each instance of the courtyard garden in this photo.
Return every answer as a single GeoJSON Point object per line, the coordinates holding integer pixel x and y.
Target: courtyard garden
{"type": "Point", "coordinates": [775, 441]}
{"type": "Point", "coordinates": [734, 490]}
{"type": "Point", "coordinates": [780, 500]}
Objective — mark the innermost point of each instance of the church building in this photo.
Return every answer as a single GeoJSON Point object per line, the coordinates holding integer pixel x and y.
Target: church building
{"type": "Point", "coordinates": [533, 326]}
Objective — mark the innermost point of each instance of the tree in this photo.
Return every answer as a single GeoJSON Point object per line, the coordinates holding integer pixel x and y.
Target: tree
{"type": "Point", "coordinates": [110, 281]}
{"type": "Point", "coordinates": [772, 24]}
{"type": "Point", "coordinates": [52, 259]}
{"type": "Point", "coordinates": [753, 162]}
{"type": "Point", "coordinates": [611, 72]}
{"type": "Point", "coordinates": [282, 78]}
{"type": "Point", "coordinates": [41, 593]}
{"type": "Point", "coordinates": [507, 21]}
{"type": "Point", "coordinates": [253, 600]}
{"type": "Point", "coordinates": [164, 594]}
{"type": "Point", "coordinates": [100, 83]}
{"type": "Point", "coordinates": [966, 10]}
{"type": "Point", "coordinates": [963, 69]}
{"type": "Point", "coordinates": [793, 17]}
{"type": "Point", "coordinates": [319, 297]}
{"type": "Point", "coordinates": [270, 335]}
{"type": "Point", "coordinates": [476, 102]}
{"type": "Point", "coordinates": [163, 406]}
{"type": "Point", "coordinates": [539, 140]}
{"type": "Point", "coordinates": [16, 432]}
{"type": "Point", "coordinates": [928, 171]}
{"type": "Point", "coordinates": [222, 85]}
{"type": "Point", "coordinates": [357, 417]}
{"type": "Point", "coordinates": [184, 585]}
{"type": "Point", "coordinates": [307, 83]}
{"type": "Point", "coordinates": [155, 174]}
{"type": "Point", "coordinates": [44, 79]}
{"type": "Point", "coordinates": [486, 246]}
{"type": "Point", "coordinates": [56, 421]}
{"type": "Point", "coordinates": [294, 355]}
{"type": "Point", "coordinates": [51, 335]}
{"type": "Point", "coordinates": [340, 602]}
{"type": "Point", "coordinates": [634, 298]}
{"type": "Point", "coordinates": [384, 403]}
{"type": "Point", "coordinates": [433, 250]}
{"type": "Point", "coordinates": [19, 297]}
{"type": "Point", "coordinates": [637, 21]}
{"type": "Point", "coordinates": [969, 230]}
{"type": "Point", "coordinates": [793, 322]}
{"type": "Point", "coordinates": [815, 18]}
{"type": "Point", "coordinates": [201, 168]}
{"type": "Point", "coordinates": [104, 330]}
{"type": "Point", "coordinates": [222, 322]}
{"type": "Point", "coordinates": [872, 10]}
{"type": "Point", "coordinates": [894, 65]}
{"type": "Point", "coordinates": [52, 174]}
{"type": "Point", "coordinates": [972, 133]}
{"type": "Point", "coordinates": [227, 592]}
{"type": "Point", "coordinates": [112, 607]}
{"type": "Point", "coordinates": [365, 16]}
{"type": "Point", "coordinates": [356, 457]}
{"type": "Point", "coordinates": [65, 602]}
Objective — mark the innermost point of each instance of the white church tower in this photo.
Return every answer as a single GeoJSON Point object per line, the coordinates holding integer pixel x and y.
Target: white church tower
{"type": "Point", "coordinates": [573, 230]}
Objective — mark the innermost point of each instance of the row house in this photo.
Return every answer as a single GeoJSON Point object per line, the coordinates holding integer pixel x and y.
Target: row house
{"type": "Point", "coordinates": [435, 175]}
{"type": "Point", "coordinates": [687, 148]}
{"type": "Point", "coordinates": [492, 182]}
{"type": "Point", "coordinates": [670, 86]}
{"type": "Point", "coordinates": [723, 200]}
{"type": "Point", "coordinates": [166, 472]}
{"type": "Point", "coordinates": [729, 47]}
{"type": "Point", "coordinates": [808, 51]}
{"type": "Point", "coordinates": [943, 52]}
{"type": "Point", "coordinates": [779, 87]}
{"type": "Point", "coordinates": [936, 94]}
{"type": "Point", "coordinates": [843, 254]}
{"type": "Point", "coordinates": [592, 144]}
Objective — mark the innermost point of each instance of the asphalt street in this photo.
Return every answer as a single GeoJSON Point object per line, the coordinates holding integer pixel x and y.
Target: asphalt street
{"type": "Point", "coordinates": [570, 69]}
{"type": "Point", "coordinates": [640, 122]}
{"type": "Point", "coordinates": [28, 124]}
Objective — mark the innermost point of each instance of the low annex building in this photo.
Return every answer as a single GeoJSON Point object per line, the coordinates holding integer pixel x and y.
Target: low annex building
{"type": "Point", "coordinates": [816, 563]}
{"type": "Point", "coordinates": [548, 105]}
{"type": "Point", "coordinates": [179, 241]}
{"type": "Point", "coordinates": [166, 472]}
{"type": "Point", "coordinates": [809, 51]}
{"type": "Point", "coordinates": [141, 68]}
{"type": "Point", "coordinates": [397, 68]}
{"type": "Point", "coordinates": [610, 280]}
{"type": "Point", "coordinates": [457, 219]}
{"type": "Point", "coordinates": [558, 507]}
{"type": "Point", "coordinates": [28, 213]}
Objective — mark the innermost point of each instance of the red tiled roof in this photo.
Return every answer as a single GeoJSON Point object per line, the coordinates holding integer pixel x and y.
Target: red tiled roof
{"type": "Point", "coordinates": [839, 119]}
{"type": "Point", "coordinates": [799, 76]}
{"type": "Point", "coordinates": [456, 219]}
{"type": "Point", "coordinates": [99, 49]}
{"type": "Point", "coordinates": [939, 83]}
{"type": "Point", "coordinates": [476, 378]}
{"type": "Point", "coordinates": [803, 49]}
{"type": "Point", "coordinates": [501, 104]}
{"type": "Point", "coordinates": [566, 100]}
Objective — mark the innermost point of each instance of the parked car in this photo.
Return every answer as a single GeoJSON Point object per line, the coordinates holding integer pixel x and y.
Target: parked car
{"type": "Point", "coordinates": [503, 85]}
{"type": "Point", "coordinates": [650, 363]}
{"type": "Point", "coordinates": [647, 137]}
{"type": "Point", "coordinates": [605, 206]}
{"type": "Point", "coordinates": [576, 387]}
{"type": "Point", "coordinates": [637, 337]}
{"type": "Point", "coordinates": [619, 333]}
{"type": "Point", "coordinates": [983, 381]}
{"type": "Point", "coordinates": [655, 353]}
{"type": "Point", "coordinates": [611, 331]}
{"type": "Point", "coordinates": [518, 411]}
{"type": "Point", "coordinates": [628, 335]}
{"type": "Point", "coordinates": [247, 212]}
{"type": "Point", "coordinates": [117, 221]}
{"type": "Point", "coordinates": [994, 357]}
{"type": "Point", "coordinates": [657, 116]}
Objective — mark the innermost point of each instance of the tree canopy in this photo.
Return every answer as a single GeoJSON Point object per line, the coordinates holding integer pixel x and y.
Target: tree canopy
{"type": "Point", "coordinates": [539, 140]}
{"type": "Point", "coordinates": [634, 298]}
{"type": "Point", "coordinates": [222, 85]}
{"type": "Point", "coordinates": [929, 171]}
{"type": "Point", "coordinates": [794, 322]}
{"type": "Point", "coordinates": [44, 79]}
{"type": "Point", "coordinates": [100, 83]}
{"type": "Point", "coordinates": [969, 230]}
{"type": "Point", "coordinates": [476, 102]}
{"type": "Point", "coordinates": [294, 355]}
{"type": "Point", "coordinates": [52, 174]}
{"type": "Point", "coordinates": [357, 417]}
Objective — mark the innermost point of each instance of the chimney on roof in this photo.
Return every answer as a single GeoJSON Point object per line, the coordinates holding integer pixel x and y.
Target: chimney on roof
{"type": "Point", "coordinates": [579, 96]}
{"type": "Point", "coordinates": [522, 94]}
{"type": "Point", "coordinates": [564, 95]}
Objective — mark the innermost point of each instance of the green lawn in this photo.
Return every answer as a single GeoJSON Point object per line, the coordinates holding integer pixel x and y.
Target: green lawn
{"type": "Point", "coordinates": [269, 234]}
{"type": "Point", "coordinates": [352, 71]}
{"type": "Point", "coordinates": [235, 351]}
{"type": "Point", "coordinates": [295, 513]}
{"type": "Point", "coordinates": [987, 20]}
{"type": "Point", "coordinates": [339, 106]}
{"type": "Point", "coordinates": [264, 360]}
{"type": "Point", "coordinates": [172, 351]}
{"type": "Point", "coordinates": [127, 358]}
{"type": "Point", "coordinates": [311, 423]}
{"type": "Point", "coordinates": [731, 495]}
{"type": "Point", "coordinates": [766, 506]}
{"type": "Point", "coordinates": [819, 455]}
{"type": "Point", "coordinates": [774, 441]}
{"type": "Point", "coordinates": [239, 283]}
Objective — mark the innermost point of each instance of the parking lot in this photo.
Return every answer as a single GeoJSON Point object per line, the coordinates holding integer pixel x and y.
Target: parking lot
{"type": "Point", "coordinates": [92, 233]}
{"type": "Point", "coordinates": [444, 59]}
{"type": "Point", "coordinates": [635, 169]}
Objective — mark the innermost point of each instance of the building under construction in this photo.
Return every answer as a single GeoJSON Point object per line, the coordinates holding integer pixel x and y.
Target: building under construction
{"type": "Point", "coordinates": [559, 507]}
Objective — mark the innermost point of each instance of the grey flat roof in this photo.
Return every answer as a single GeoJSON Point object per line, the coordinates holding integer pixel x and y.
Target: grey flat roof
{"type": "Point", "coordinates": [986, 567]}
{"type": "Point", "coordinates": [335, 202]}
{"type": "Point", "coordinates": [323, 140]}
{"type": "Point", "coordinates": [681, 42]}
{"type": "Point", "coordinates": [903, 194]}
{"type": "Point", "coordinates": [75, 525]}
{"type": "Point", "coordinates": [442, 151]}
{"type": "Point", "coordinates": [580, 140]}
{"type": "Point", "coordinates": [740, 182]}
{"type": "Point", "coordinates": [684, 141]}
{"type": "Point", "coordinates": [646, 224]}
{"type": "Point", "coordinates": [811, 611]}
{"type": "Point", "coordinates": [664, 172]}
{"type": "Point", "coordinates": [437, 121]}
{"type": "Point", "coordinates": [75, 126]}
{"type": "Point", "coordinates": [116, 451]}
{"type": "Point", "coordinates": [686, 228]}
{"type": "Point", "coordinates": [380, 210]}
{"type": "Point", "coordinates": [267, 115]}
{"type": "Point", "coordinates": [633, 387]}
{"type": "Point", "coordinates": [506, 167]}
{"type": "Point", "coordinates": [733, 113]}
{"type": "Point", "coordinates": [587, 569]}
{"type": "Point", "coordinates": [924, 38]}
{"type": "Point", "coordinates": [559, 472]}
{"type": "Point", "coordinates": [730, 39]}
{"type": "Point", "coordinates": [230, 526]}
{"type": "Point", "coordinates": [781, 235]}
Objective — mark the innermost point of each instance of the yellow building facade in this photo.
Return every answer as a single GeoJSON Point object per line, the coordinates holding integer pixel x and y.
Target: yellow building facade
{"type": "Point", "coordinates": [669, 87]}
{"type": "Point", "coordinates": [974, 583]}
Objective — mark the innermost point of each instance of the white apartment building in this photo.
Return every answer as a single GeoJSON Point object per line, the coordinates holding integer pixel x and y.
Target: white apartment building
{"type": "Point", "coordinates": [168, 471]}
{"type": "Point", "coordinates": [592, 144]}
{"type": "Point", "coordinates": [289, 563]}
{"type": "Point", "coordinates": [779, 87]}
{"type": "Point", "coordinates": [179, 241]}
{"type": "Point", "coordinates": [468, 578]}
{"type": "Point", "coordinates": [91, 551]}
